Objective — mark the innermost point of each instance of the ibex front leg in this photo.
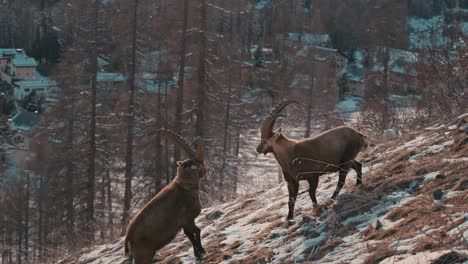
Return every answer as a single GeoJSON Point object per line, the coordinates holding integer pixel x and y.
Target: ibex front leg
{"type": "Point", "coordinates": [293, 188]}
{"type": "Point", "coordinates": [193, 234]}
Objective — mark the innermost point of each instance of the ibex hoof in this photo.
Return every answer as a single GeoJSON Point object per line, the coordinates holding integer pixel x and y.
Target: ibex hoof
{"type": "Point", "coordinates": [317, 210]}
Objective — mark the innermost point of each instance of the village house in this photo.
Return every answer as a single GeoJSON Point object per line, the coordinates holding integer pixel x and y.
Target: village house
{"type": "Point", "coordinates": [314, 69]}
{"type": "Point", "coordinates": [367, 69]}
{"type": "Point", "coordinates": [19, 70]}
{"type": "Point", "coordinates": [19, 137]}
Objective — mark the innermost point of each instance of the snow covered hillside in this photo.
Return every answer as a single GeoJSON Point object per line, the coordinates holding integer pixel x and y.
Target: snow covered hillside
{"type": "Point", "coordinates": [413, 209]}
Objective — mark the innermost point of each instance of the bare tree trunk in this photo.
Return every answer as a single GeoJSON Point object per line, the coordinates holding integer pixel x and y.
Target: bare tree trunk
{"type": "Point", "coordinates": [40, 231]}
{"type": "Point", "coordinates": [69, 192]}
{"type": "Point", "coordinates": [180, 91]}
{"type": "Point", "coordinates": [19, 229]}
{"type": "Point", "coordinates": [157, 157]}
{"type": "Point", "coordinates": [102, 215]}
{"type": "Point", "coordinates": [309, 107]}
{"type": "Point", "coordinates": [130, 121]}
{"type": "Point", "coordinates": [227, 120]}
{"type": "Point", "coordinates": [91, 184]}
{"type": "Point", "coordinates": [26, 219]}
{"type": "Point", "coordinates": [201, 73]}
{"type": "Point", "coordinates": [385, 110]}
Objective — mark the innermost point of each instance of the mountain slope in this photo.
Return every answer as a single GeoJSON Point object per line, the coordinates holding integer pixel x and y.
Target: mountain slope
{"type": "Point", "coordinates": [413, 209]}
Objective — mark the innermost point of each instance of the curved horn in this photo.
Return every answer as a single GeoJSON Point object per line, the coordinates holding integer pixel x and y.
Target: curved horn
{"type": "Point", "coordinates": [201, 152]}
{"type": "Point", "coordinates": [178, 140]}
{"type": "Point", "coordinates": [267, 128]}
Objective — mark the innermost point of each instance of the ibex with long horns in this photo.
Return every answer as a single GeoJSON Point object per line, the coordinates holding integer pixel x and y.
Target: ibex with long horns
{"type": "Point", "coordinates": [174, 208]}
{"type": "Point", "coordinates": [307, 159]}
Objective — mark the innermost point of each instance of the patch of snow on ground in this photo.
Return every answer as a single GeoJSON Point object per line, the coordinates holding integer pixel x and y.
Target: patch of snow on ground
{"type": "Point", "coordinates": [453, 160]}
{"type": "Point", "coordinates": [461, 229]}
{"type": "Point", "coordinates": [391, 201]}
{"type": "Point", "coordinates": [430, 176]}
{"type": "Point", "coordinates": [418, 141]}
{"type": "Point", "coordinates": [435, 127]}
{"type": "Point", "coordinates": [350, 251]}
{"type": "Point", "coordinates": [372, 166]}
{"type": "Point", "coordinates": [431, 150]}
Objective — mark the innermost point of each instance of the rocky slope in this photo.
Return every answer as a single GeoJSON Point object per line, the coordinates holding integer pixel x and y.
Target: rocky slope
{"type": "Point", "coordinates": [413, 209]}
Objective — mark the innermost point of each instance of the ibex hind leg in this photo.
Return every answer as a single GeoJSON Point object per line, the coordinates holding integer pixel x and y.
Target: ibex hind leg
{"type": "Point", "coordinates": [357, 166]}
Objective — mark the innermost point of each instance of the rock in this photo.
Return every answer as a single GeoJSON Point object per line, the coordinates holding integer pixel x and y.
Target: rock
{"type": "Point", "coordinates": [451, 257]}
{"type": "Point", "coordinates": [438, 194]}
{"type": "Point", "coordinates": [390, 134]}
{"type": "Point", "coordinates": [421, 171]}
{"type": "Point", "coordinates": [214, 215]}
{"type": "Point", "coordinates": [377, 225]}
{"type": "Point", "coordinates": [440, 177]}
{"type": "Point", "coordinates": [463, 124]}
{"type": "Point", "coordinates": [463, 128]}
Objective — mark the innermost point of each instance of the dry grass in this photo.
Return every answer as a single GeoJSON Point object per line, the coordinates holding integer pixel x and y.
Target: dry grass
{"type": "Point", "coordinates": [267, 233]}
{"type": "Point", "coordinates": [258, 255]}
{"type": "Point", "coordinates": [379, 252]}
{"type": "Point", "coordinates": [325, 249]}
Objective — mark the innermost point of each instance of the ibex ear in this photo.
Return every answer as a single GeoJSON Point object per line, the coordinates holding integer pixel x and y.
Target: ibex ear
{"type": "Point", "coordinates": [278, 134]}
{"type": "Point", "coordinates": [179, 163]}
{"type": "Point", "coordinates": [201, 152]}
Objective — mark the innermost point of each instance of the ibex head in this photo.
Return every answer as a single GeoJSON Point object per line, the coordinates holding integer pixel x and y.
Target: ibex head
{"type": "Point", "coordinates": [194, 166]}
{"type": "Point", "coordinates": [268, 137]}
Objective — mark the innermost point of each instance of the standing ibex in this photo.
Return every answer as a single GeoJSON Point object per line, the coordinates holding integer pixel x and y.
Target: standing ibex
{"type": "Point", "coordinates": [175, 207]}
{"type": "Point", "coordinates": [307, 159]}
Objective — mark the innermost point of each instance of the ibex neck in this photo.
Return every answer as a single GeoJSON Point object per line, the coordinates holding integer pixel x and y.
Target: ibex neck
{"type": "Point", "coordinates": [189, 184]}
{"type": "Point", "coordinates": [282, 151]}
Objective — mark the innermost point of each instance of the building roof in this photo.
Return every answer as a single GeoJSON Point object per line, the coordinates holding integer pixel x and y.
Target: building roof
{"type": "Point", "coordinates": [24, 121]}
{"type": "Point", "coordinates": [400, 61]}
{"type": "Point", "coordinates": [251, 94]}
{"type": "Point", "coordinates": [428, 33]}
{"type": "Point", "coordinates": [320, 53]}
{"type": "Point", "coordinates": [110, 77]}
{"type": "Point", "coordinates": [22, 60]}
{"type": "Point", "coordinates": [7, 53]}
{"type": "Point", "coordinates": [102, 62]}
{"type": "Point", "coordinates": [35, 84]}
{"type": "Point", "coordinates": [310, 39]}
{"type": "Point", "coordinates": [156, 86]}
{"type": "Point", "coordinates": [18, 57]}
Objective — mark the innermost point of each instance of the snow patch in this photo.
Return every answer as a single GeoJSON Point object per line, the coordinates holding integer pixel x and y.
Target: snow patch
{"type": "Point", "coordinates": [454, 160]}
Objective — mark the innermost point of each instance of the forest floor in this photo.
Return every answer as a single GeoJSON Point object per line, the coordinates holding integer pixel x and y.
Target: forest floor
{"type": "Point", "coordinates": [413, 208]}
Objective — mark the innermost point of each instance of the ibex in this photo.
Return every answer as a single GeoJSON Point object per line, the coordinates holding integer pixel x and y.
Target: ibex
{"type": "Point", "coordinates": [174, 208]}
{"type": "Point", "coordinates": [307, 159]}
